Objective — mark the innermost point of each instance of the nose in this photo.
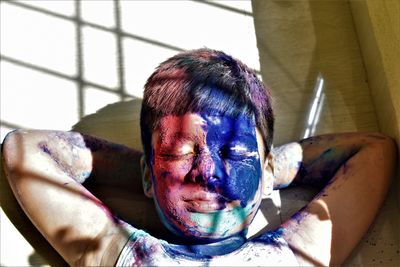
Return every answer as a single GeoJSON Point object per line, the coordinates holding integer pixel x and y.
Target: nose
{"type": "Point", "coordinates": [206, 170]}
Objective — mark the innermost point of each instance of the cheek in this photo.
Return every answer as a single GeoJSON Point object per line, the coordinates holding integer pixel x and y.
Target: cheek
{"type": "Point", "coordinates": [168, 177]}
{"type": "Point", "coordinates": [171, 172]}
{"type": "Point", "coordinates": [243, 182]}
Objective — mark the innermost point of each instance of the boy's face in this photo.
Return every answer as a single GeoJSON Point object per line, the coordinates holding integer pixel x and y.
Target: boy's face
{"type": "Point", "coordinates": [206, 172]}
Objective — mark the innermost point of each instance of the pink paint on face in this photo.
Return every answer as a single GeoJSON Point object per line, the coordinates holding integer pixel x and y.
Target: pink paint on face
{"type": "Point", "coordinates": [182, 167]}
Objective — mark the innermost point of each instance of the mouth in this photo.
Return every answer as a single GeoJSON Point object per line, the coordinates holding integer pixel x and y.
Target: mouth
{"type": "Point", "coordinates": [204, 202]}
{"type": "Point", "coordinates": [201, 206]}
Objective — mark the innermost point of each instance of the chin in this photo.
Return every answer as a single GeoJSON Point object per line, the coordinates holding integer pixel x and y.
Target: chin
{"type": "Point", "coordinates": [207, 225]}
{"type": "Point", "coordinates": [212, 226]}
{"type": "Point", "coordinates": [196, 235]}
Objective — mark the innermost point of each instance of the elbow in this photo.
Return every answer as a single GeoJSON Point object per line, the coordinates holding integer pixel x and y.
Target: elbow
{"type": "Point", "coordinates": [380, 138]}
{"type": "Point", "coordinates": [386, 144]}
{"type": "Point", "coordinates": [10, 150]}
{"type": "Point", "coordinates": [384, 150]}
{"type": "Point", "coordinates": [14, 149]}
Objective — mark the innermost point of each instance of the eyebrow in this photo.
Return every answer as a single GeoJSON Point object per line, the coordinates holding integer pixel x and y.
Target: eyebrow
{"type": "Point", "coordinates": [181, 137]}
{"type": "Point", "coordinates": [236, 135]}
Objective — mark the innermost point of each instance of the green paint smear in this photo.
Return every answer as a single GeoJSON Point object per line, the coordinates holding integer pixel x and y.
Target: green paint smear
{"type": "Point", "coordinates": [221, 222]}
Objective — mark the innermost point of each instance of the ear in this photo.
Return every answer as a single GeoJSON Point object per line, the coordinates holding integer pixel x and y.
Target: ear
{"type": "Point", "coordinates": [146, 178]}
{"type": "Point", "coordinates": [268, 176]}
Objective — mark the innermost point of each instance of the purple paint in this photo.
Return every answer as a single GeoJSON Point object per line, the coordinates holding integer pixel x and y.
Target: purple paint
{"type": "Point", "coordinates": [43, 146]}
{"type": "Point", "coordinates": [345, 167]}
{"type": "Point", "coordinates": [270, 237]}
{"type": "Point", "coordinates": [77, 176]}
{"type": "Point", "coordinates": [72, 139]}
{"type": "Point", "coordinates": [206, 167]}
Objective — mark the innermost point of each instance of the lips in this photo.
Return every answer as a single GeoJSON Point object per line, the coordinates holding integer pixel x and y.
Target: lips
{"type": "Point", "coordinates": [206, 202]}
{"type": "Point", "coordinates": [203, 206]}
{"type": "Point", "coordinates": [203, 202]}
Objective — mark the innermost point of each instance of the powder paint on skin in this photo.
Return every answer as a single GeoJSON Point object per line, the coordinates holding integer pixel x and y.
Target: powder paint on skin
{"type": "Point", "coordinates": [221, 222]}
{"type": "Point", "coordinates": [207, 251]}
{"type": "Point", "coordinates": [43, 146]}
{"type": "Point", "coordinates": [321, 170]}
{"type": "Point", "coordinates": [298, 216]}
{"type": "Point", "coordinates": [81, 177]}
{"type": "Point", "coordinates": [317, 139]}
{"type": "Point", "coordinates": [270, 248]}
{"type": "Point", "coordinates": [207, 225]}
{"type": "Point", "coordinates": [316, 172]}
{"type": "Point", "coordinates": [145, 248]}
{"type": "Point", "coordinates": [223, 134]}
{"type": "Point", "coordinates": [71, 138]}
{"type": "Point", "coordinates": [78, 177]}
{"type": "Point", "coordinates": [345, 167]}
{"type": "Point", "coordinates": [169, 222]}
{"type": "Point", "coordinates": [270, 237]}
{"type": "Point", "coordinates": [224, 162]}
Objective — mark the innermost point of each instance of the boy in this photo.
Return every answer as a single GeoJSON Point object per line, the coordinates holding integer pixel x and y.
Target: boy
{"type": "Point", "coordinates": [207, 127]}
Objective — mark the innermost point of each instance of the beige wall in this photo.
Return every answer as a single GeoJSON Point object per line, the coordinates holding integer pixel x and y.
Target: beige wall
{"type": "Point", "coordinates": [378, 28]}
{"type": "Point", "coordinates": [299, 41]}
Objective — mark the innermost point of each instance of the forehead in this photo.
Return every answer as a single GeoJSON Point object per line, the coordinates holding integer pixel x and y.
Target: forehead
{"type": "Point", "coordinates": [240, 124]}
{"type": "Point", "coordinates": [205, 122]}
{"type": "Point", "coordinates": [198, 123]}
{"type": "Point", "coordinates": [187, 122]}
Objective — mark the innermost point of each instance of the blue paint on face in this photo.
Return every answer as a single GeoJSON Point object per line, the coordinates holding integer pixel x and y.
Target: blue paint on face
{"type": "Point", "coordinates": [206, 174]}
{"type": "Point", "coordinates": [233, 147]}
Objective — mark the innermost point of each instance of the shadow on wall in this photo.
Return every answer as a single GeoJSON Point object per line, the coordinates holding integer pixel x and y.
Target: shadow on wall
{"type": "Point", "coordinates": [318, 43]}
{"type": "Point", "coordinates": [90, 54]}
{"type": "Point", "coordinates": [118, 122]}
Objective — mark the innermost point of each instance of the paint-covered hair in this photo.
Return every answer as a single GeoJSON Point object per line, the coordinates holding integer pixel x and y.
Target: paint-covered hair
{"type": "Point", "coordinates": [205, 80]}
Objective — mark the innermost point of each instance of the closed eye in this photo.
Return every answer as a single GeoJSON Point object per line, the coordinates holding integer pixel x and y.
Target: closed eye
{"type": "Point", "coordinates": [178, 152]}
{"type": "Point", "coordinates": [173, 156]}
{"type": "Point", "coordinates": [233, 154]}
{"type": "Point", "coordinates": [237, 152]}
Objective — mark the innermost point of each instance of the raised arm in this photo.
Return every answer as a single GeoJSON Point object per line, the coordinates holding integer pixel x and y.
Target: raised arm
{"type": "Point", "coordinates": [353, 172]}
{"type": "Point", "coordinates": [45, 170]}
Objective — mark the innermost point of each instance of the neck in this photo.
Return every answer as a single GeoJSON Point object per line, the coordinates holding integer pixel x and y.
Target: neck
{"type": "Point", "coordinates": [220, 247]}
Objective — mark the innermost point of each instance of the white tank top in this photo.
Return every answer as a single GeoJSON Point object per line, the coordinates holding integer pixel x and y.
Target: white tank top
{"type": "Point", "coordinates": [142, 249]}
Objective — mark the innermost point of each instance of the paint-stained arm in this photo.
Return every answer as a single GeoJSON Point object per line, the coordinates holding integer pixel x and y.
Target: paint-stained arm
{"type": "Point", "coordinates": [45, 170]}
{"type": "Point", "coordinates": [354, 173]}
